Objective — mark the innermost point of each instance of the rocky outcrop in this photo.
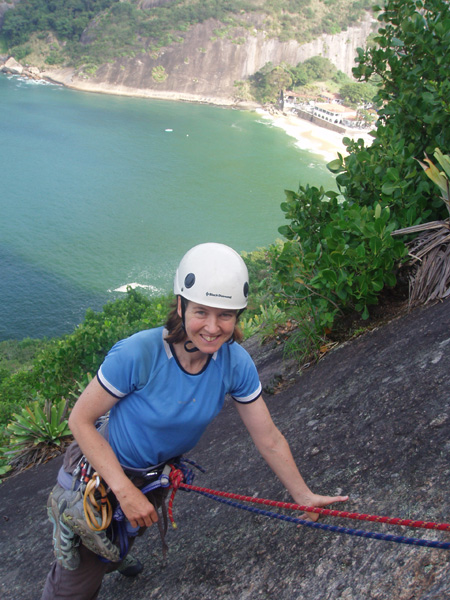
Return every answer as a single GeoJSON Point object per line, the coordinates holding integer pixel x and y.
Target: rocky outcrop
{"type": "Point", "coordinates": [205, 65]}
{"type": "Point", "coordinates": [11, 67]}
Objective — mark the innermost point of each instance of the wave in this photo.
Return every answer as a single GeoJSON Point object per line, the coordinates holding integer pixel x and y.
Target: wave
{"type": "Point", "coordinates": [30, 81]}
{"type": "Point", "coordinates": [133, 286]}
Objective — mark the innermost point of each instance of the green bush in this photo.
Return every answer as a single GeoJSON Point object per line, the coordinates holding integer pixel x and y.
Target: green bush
{"type": "Point", "coordinates": [409, 62]}
{"type": "Point", "coordinates": [338, 256]}
{"type": "Point", "coordinates": [65, 362]}
{"type": "Point", "coordinates": [42, 423]}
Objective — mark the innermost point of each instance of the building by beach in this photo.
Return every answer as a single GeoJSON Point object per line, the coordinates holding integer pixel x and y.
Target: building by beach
{"type": "Point", "coordinates": [327, 109]}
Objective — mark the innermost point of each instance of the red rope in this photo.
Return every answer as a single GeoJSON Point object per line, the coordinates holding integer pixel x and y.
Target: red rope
{"type": "Point", "coordinates": [321, 511]}
{"type": "Point", "coordinates": [176, 481]}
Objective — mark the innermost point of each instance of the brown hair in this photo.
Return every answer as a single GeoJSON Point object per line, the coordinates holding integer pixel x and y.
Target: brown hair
{"type": "Point", "coordinates": [177, 333]}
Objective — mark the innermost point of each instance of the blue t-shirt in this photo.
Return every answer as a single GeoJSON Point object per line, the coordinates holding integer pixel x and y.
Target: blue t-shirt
{"type": "Point", "coordinates": [163, 410]}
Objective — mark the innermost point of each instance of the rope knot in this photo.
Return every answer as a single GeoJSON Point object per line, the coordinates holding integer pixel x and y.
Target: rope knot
{"type": "Point", "coordinates": [176, 478]}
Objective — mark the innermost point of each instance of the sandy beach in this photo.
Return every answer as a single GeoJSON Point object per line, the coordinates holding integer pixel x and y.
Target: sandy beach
{"type": "Point", "coordinates": [309, 136]}
{"type": "Point", "coordinates": [312, 137]}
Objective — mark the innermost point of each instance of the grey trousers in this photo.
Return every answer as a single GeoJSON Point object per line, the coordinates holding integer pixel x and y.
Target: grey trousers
{"type": "Point", "coordinates": [82, 584]}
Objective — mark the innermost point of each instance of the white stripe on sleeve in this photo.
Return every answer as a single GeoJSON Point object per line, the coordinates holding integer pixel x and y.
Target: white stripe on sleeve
{"type": "Point", "coordinates": [108, 386]}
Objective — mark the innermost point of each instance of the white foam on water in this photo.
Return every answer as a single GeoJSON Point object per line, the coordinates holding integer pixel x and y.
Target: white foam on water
{"type": "Point", "coordinates": [133, 286]}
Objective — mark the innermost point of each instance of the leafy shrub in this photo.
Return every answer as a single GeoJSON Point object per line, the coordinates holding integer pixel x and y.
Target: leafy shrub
{"type": "Point", "coordinates": [265, 321]}
{"type": "Point", "coordinates": [36, 431]}
{"type": "Point", "coordinates": [54, 58]}
{"type": "Point", "coordinates": [410, 60]}
{"type": "Point", "coordinates": [20, 52]}
{"type": "Point", "coordinates": [338, 256]}
{"type": "Point", "coordinates": [159, 74]}
{"type": "Point", "coordinates": [38, 424]}
{"type": "Point", "coordinates": [65, 362]}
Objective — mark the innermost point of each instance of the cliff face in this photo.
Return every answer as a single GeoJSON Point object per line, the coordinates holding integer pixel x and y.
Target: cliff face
{"type": "Point", "coordinates": [371, 420]}
{"type": "Point", "coordinates": [204, 64]}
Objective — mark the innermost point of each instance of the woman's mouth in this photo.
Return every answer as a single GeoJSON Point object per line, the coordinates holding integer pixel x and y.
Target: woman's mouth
{"type": "Point", "coordinates": [209, 338]}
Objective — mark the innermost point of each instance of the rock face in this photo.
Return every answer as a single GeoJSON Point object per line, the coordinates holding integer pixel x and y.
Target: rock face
{"type": "Point", "coordinates": [204, 64]}
{"type": "Point", "coordinates": [12, 67]}
{"type": "Point", "coordinates": [371, 419]}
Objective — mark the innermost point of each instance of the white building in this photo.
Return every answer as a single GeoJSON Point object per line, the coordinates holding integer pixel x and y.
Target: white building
{"type": "Point", "coordinates": [333, 113]}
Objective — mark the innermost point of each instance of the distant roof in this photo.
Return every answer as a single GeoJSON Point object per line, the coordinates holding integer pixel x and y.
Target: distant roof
{"type": "Point", "coordinates": [335, 108]}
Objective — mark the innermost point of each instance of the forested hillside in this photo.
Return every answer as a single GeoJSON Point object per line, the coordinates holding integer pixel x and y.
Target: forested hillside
{"type": "Point", "coordinates": [193, 47]}
{"type": "Point", "coordinates": [95, 31]}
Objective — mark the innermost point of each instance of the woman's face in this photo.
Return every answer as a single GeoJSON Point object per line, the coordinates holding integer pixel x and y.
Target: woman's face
{"type": "Point", "coordinates": [207, 327]}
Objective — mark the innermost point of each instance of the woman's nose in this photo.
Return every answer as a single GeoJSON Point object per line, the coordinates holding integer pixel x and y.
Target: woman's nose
{"type": "Point", "coordinates": [212, 324]}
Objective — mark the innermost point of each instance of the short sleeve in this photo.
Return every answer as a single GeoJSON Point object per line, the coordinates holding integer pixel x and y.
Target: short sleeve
{"type": "Point", "coordinates": [127, 365]}
{"type": "Point", "coordinates": [246, 386]}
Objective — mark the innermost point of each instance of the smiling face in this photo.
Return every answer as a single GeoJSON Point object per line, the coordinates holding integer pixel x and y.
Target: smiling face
{"type": "Point", "coordinates": [208, 328]}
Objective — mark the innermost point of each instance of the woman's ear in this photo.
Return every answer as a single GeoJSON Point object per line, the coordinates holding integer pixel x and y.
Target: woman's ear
{"type": "Point", "coordinates": [179, 309]}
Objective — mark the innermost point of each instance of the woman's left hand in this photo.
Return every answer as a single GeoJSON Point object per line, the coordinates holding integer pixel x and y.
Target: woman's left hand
{"type": "Point", "coordinates": [317, 501]}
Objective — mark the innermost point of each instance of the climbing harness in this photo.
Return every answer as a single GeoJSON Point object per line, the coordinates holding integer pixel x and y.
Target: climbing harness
{"type": "Point", "coordinates": [171, 475]}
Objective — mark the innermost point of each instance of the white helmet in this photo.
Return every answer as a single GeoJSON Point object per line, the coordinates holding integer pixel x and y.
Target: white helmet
{"type": "Point", "coordinates": [213, 275]}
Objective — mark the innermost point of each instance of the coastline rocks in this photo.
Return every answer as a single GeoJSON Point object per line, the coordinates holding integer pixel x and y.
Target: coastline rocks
{"type": "Point", "coordinates": [12, 67]}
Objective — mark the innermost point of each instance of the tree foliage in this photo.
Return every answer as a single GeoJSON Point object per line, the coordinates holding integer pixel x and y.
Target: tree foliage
{"type": "Point", "coordinates": [66, 18]}
{"type": "Point", "coordinates": [411, 60]}
{"type": "Point", "coordinates": [270, 80]}
{"type": "Point", "coordinates": [98, 31]}
{"type": "Point", "coordinates": [340, 255]}
{"type": "Point", "coordinates": [356, 93]}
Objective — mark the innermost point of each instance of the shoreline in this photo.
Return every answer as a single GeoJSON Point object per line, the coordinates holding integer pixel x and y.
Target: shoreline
{"type": "Point", "coordinates": [308, 136]}
{"type": "Point", "coordinates": [311, 136]}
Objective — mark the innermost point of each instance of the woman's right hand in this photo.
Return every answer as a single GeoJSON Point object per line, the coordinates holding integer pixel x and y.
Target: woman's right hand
{"type": "Point", "coordinates": [136, 507]}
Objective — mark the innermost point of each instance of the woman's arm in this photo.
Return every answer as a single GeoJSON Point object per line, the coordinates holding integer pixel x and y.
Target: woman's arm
{"type": "Point", "coordinates": [94, 402]}
{"type": "Point", "coordinates": [275, 450]}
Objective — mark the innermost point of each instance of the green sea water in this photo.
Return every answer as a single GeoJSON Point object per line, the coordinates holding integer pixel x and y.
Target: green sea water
{"type": "Point", "coordinates": [98, 192]}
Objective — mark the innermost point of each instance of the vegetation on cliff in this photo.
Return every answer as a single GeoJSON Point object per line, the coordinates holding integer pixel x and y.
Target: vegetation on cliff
{"type": "Point", "coordinates": [265, 84]}
{"type": "Point", "coordinates": [90, 33]}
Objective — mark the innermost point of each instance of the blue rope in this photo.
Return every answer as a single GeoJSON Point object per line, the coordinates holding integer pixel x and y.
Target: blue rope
{"type": "Point", "coordinates": [357, 532]}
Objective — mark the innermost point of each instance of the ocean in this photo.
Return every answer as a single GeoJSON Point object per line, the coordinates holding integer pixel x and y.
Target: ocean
{"type": "Point", "coordinates": [98, 192]}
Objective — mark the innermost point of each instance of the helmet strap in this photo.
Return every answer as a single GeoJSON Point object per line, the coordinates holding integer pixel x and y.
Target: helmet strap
{"type": "Point", "coordinates": [183, 317]}
{"type": "Point", "coordinates": [190, 350]}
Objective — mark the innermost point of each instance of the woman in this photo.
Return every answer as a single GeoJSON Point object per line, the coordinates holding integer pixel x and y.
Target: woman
{"type": "Point", "coordinates": [162, 387]}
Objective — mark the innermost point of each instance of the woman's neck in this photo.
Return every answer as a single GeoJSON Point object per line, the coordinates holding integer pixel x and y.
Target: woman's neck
{"type": "Point", "coordinates": [192, 362]}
